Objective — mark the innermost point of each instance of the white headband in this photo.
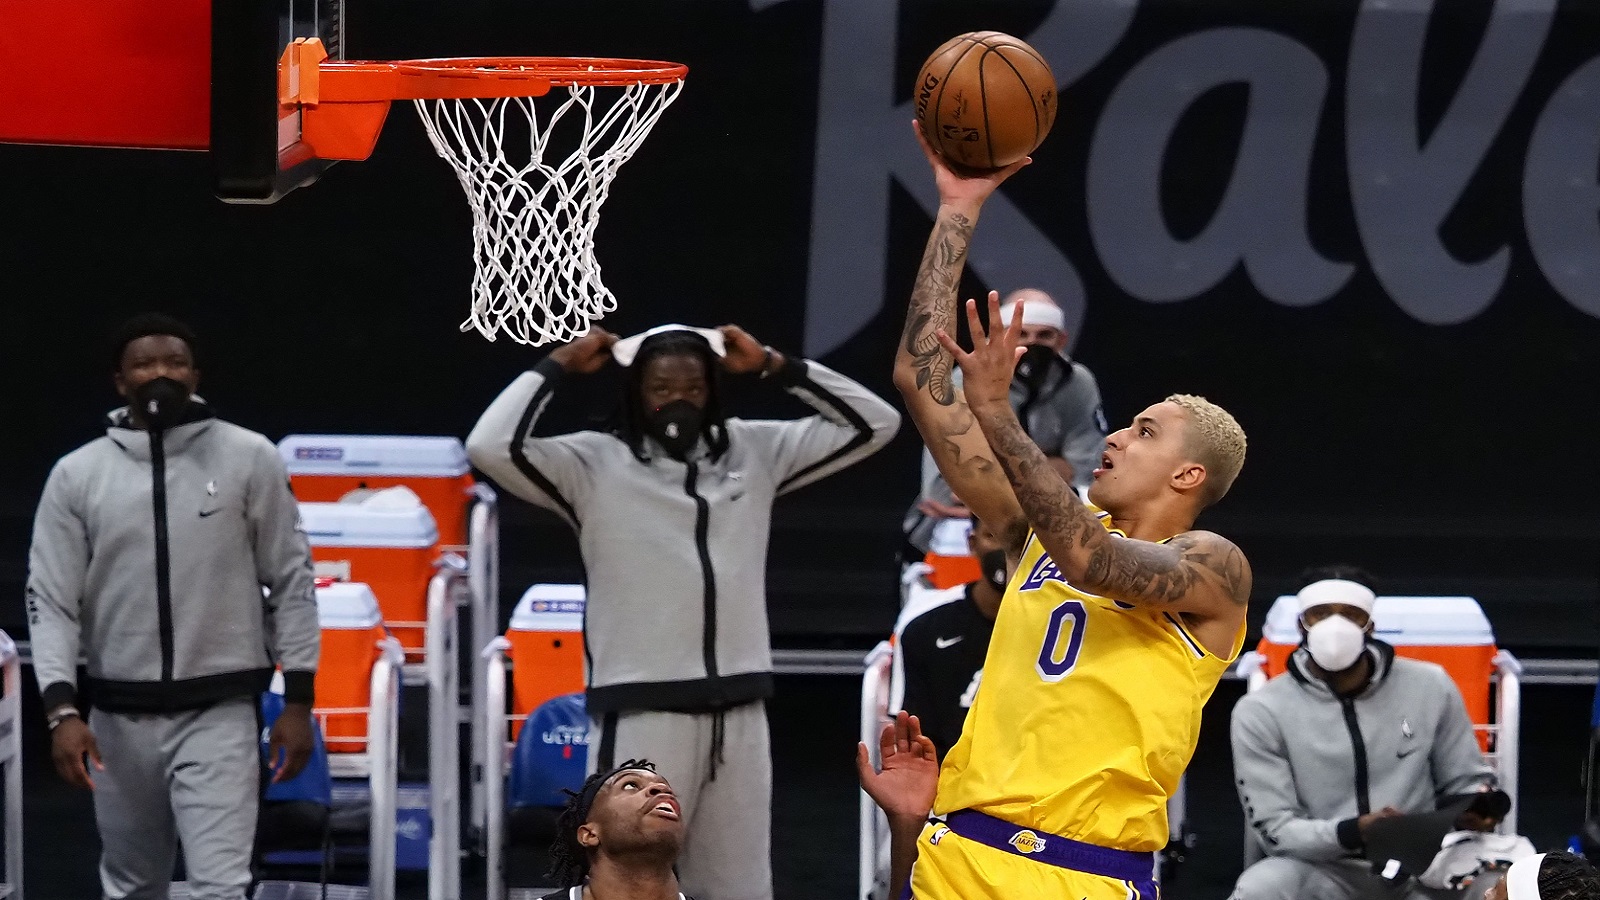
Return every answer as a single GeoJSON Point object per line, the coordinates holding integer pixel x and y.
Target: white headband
{"type": "Point", "coordinates": [1334, 590]}
{"type": "Point", "coordinates": [1522, 879]}
{"type": "Point", "coordinates": [1039, 313]}
{"type": "Point", "coordinates": [625, 350]}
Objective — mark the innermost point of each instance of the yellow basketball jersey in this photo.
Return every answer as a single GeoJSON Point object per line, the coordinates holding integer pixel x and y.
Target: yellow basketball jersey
{"type": "Point", "coordinates": [1087, 714]}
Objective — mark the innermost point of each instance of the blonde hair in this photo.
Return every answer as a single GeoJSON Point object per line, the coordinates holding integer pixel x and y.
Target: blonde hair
{"type": "Point", "coordinates": [1215, 441]}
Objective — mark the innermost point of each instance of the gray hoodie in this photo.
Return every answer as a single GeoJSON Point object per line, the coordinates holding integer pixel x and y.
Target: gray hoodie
{"type": "Point", "coordinates": [149, 559]}
{"type": "Point", "coordinates": [675, 552]}
{"type": "Point", "coordinates": [1308, 762]}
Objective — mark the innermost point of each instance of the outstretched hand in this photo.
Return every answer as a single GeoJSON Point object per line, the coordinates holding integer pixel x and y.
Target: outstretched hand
{"type": "Point", "coordinates": [958, 184]}
{"type": "Point", "coordinates": [904, 788]}
{"type": "Point", "coordinates": [986, 371]}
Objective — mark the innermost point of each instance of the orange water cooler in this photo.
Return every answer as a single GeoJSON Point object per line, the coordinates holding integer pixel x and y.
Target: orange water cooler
{"type": "Point", "coordinates": [950, 560]}
{"type": "Point", "coordinates": [352, 628]}
{"type": "Point", "coordinates": [391, 549]}
{"type": "Point", "coordinates": [546, 637]}
{"type": "Point", "coordinates": [327, 467]}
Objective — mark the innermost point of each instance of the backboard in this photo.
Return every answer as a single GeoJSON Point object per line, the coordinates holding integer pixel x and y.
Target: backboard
{"type": "Point", "coordinates": [255, 144]}
{"type": "Point", "coordinates": [171, 75]}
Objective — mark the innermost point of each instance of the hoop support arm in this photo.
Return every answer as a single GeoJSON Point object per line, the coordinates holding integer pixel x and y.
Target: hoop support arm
{"type": "Point", "coordinates": [343, 105]}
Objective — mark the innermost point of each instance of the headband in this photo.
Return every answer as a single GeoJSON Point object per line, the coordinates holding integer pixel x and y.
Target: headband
{"type": "Point", "coordinates": [1036, 312]}
{"type": "Point", "coordinates": [1335, 590]}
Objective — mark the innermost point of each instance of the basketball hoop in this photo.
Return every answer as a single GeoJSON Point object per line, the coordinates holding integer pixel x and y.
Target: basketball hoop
{"type": "Point", "coordinates": [535, 173]}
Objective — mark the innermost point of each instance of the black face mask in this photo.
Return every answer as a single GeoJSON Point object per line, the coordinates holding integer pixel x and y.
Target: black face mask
{"type": "Point", "coordinates": [161, 402]}
{"type": "Point", "coordinates": [676, 426]}
{"type": "Point", "coordinates": [993, 564]}
{"type": "Point", "coordinates": [1034, 368]}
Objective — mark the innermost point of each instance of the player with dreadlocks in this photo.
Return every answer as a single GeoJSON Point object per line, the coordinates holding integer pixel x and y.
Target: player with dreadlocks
{"type": "Point", "coordinates": [1549, 876]}
{"type": "Point", "coordinates": [618, 838]}
{"type": "Point", "coordinates": [673, 508]}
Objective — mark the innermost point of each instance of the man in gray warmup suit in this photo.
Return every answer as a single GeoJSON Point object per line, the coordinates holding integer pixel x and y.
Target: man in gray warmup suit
{"type": "Point", "coordinates": [151, 547]}
{"type": "Point", "coordinates": [673, 508]}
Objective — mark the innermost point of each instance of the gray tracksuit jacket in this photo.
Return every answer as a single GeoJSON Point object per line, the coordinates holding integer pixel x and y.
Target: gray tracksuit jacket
{"type": "Point", "coordinates": [675, 552]}
{"type": "Point", "coordinates": [1308, 762]}
{"type": "Point", "coordinates": [149, 558]}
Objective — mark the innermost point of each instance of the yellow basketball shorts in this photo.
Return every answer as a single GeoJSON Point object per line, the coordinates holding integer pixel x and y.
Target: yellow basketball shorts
{"type": "Point", "coordinates": [973, 856]}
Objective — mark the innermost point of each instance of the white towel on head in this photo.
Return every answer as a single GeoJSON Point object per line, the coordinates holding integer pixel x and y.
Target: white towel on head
{"type": "Point", "coordinates": [625, 350]}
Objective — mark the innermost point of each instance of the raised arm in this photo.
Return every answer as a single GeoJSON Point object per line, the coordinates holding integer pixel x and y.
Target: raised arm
{"type": "Point", "coordinates": [851, 423]}
{"type": "Point", "coordinates": [552, 472]}
{"type": "Point", "coordinates": [923, 369]}
{"type": "Point", "coordinates": [1197, 572]}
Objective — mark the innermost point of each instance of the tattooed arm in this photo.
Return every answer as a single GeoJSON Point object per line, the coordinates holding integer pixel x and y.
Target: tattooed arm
{"type": "Point", "coordinates": [1197, 573]}
{"type": "Point", "coordinates": [924, 370]}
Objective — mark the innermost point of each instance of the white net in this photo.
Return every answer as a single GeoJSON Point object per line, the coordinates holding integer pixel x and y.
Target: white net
{"type": "Point", "coordinates": [536, 171]}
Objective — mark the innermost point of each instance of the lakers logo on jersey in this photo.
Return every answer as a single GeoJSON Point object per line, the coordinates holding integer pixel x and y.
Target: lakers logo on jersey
{"type": "Point", "coordinates": [1043, 572]}
{"type": "Point", "coordinates": [1027, 842]}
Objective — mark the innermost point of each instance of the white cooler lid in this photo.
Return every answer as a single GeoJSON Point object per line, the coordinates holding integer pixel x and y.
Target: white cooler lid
{"type": "Point", "coordinates": [374, 455]}
{"type": "Point", "coordinates": [361, 525]}
{"type": "Point", "coordinates": [949, 537]}
{"type": "Point", "coordinates": [550, 607]}
{"type": "Point", "coordinates": [347, 604]}
{"type": "Point", "coordinates": [1414, 621]}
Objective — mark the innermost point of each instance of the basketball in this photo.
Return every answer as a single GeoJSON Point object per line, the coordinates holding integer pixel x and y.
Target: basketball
{"type": "Point", "coordinates": [985, 99]}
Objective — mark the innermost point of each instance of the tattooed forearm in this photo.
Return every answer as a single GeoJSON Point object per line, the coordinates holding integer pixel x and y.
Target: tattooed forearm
{"type": "Point", "coordinates": [1156, 572]}
{"type": "Point", "coordinates": [1056, 514]}
{"type": "Point", "coordinates": [933, 306]}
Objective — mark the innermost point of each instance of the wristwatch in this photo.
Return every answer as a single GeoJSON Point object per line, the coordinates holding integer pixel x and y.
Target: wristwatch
{"type": "Point", "coordinates": [61, 714]}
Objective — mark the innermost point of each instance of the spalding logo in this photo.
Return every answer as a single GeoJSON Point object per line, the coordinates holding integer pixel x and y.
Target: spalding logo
{"type": "Point", "coordinates": [1027, 842]}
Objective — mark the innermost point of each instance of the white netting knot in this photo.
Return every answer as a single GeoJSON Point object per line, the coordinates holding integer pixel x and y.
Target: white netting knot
{"type": "Point", "coordinates": [534, 211]}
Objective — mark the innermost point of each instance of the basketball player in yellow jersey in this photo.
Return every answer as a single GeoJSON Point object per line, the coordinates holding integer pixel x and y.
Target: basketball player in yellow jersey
{"type": "Point", "coordinates": [1114, 629]}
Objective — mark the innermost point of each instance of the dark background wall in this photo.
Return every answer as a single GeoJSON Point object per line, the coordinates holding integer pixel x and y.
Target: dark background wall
{"type": "Point", "coordinates": [1445, 457]}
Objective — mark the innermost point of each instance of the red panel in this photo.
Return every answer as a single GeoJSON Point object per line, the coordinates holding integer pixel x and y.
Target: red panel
{"type": "Point", "coordinates": [111, 73]}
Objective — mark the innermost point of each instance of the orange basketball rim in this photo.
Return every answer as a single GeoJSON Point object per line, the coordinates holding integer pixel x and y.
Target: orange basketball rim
{"type": "Point", "coordinates": [344, 104]}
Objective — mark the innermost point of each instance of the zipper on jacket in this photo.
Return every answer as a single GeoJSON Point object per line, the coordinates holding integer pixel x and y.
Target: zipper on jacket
{"type": "Point", "coordinates": [702, 529]}
{"type": "Point", "coordinates": [158, 474]}
{"type": "Point", "coordinates": [1359, 746]}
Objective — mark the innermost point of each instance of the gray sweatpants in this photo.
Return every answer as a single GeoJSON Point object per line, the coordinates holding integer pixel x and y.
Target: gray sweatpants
{"type": "Point", "coordinates": [728, 851]}
{"type": "Point", "coordinates": [1282, 878]}
{"type": "Point", "coordinates": [193, 777]}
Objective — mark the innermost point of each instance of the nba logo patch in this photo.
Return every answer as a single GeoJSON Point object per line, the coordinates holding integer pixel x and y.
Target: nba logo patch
{"type": "Point", "coordinates": [1027, 842]}
{"type": "Point", "coordinates": [1043, 570]}
{"type": "Point", "coordinates": [938, 835]}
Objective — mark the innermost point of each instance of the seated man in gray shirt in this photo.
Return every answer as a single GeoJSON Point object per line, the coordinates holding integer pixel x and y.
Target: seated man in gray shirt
{"type": "Point", "coordinates": [1057, 400]}
{"type": "Point", "coordinates": [1348, 736]}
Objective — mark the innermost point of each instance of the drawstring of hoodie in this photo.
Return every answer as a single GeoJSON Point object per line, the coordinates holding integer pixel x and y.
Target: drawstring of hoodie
{"type": "Point", "coordinates": [719, 733]}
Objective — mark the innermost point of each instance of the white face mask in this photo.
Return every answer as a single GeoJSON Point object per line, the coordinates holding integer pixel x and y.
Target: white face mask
{"type": "Point", "coordinates": [1335, 643]}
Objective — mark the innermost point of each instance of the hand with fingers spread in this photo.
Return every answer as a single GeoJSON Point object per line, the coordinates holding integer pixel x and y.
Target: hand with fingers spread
{"type": "Point", "coordinates": [905, 785]}
{"type": "Point", "coordinates": [959, 185]}
{"type": "Point", "coordinates": [988, 369]}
